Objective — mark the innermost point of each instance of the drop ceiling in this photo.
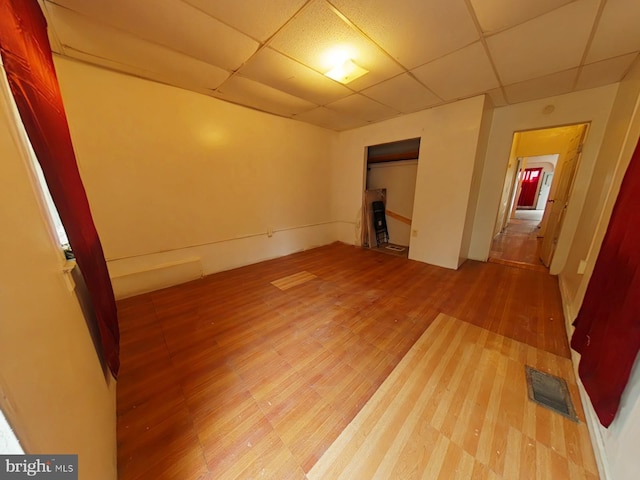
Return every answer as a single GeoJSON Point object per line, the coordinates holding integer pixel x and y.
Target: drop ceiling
{"type": "Point", "coordinates": [271, 55]}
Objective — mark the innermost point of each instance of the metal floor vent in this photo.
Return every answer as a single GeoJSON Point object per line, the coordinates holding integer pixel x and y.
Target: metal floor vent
{"type": "Point", "coordinates": [550, 391]}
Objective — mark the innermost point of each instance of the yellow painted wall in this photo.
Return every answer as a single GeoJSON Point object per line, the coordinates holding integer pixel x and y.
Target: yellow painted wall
{"type": "Point", "coordinates": [52, 388]}
{"type": "Point", "coordinates": [532, 143]}
{"type": "Point", "coordinates": [174, 176]}
{"type": "Point", "coordinates": [544, 142]}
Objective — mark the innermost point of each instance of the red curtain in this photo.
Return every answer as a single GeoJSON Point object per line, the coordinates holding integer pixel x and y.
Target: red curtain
{"type": "Point", "coordinates": [27, 59]}
{"type": "Point", "coordinates": [607, 333]}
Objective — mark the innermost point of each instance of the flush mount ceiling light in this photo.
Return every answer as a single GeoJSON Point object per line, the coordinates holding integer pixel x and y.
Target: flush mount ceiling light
{"type": "Point", "coordinates": [346, 72]}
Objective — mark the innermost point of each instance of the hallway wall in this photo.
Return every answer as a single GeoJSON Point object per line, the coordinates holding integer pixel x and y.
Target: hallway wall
{"type": "Point", "coordinates": [618, 443]}
{"type": "Point", "coordinates": [588, 105]}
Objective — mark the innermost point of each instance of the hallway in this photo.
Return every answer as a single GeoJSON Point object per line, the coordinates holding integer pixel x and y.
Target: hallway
{"type": "Point", "coordinates": [519, 244]}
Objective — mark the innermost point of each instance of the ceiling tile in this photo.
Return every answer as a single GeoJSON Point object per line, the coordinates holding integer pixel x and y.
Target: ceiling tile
{"type": "Point", "coordinates": [550, 43]}
{"type": "Point", "coordinates": [253, 94]}
{"type": "Point", "coordinates": [317, 31]}
{"type": "Point", "coordinates": [549, 86]}
{"type": "Point", "coordinates": [496, 15]}
{"type": "Point", "coordinates": [178, 42]}
{"type": "Point", "coordinates": [362, 107]}
{"type": "Point", "coordinates": [403, 93]}
{"type": "Point", "coordinates": [605, 72]}
{"type": "Point", "coordinates": [327, 118]}
{"type": "Point", "coordinates": [56, 46]}
{"type": "Point", "coordinates": [449, 76]}
{"type": "Point", "coordinates": [259, 19]}
{"type": "Point", "coordinates": [78, 34]}
{"type": "Point", "coordinates": [172, 24]}
{"type": "Point", "coordinates": [283, 73]}
{"type": "Point", "coordinates": [413, 31]}
{"type": "Point", "coordinates": [175, 80]}
{"type": "Point", "coordinates": [617, 32]}
{"type": "Point", "coordinates": [110, 64]}
{"type": "Point", "coordinates": [497, 97]}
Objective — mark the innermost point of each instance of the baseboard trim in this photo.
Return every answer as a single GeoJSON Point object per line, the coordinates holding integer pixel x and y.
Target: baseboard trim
{"type": "Point", "coordinates": [144, 273]}
{"type": "Point", "coordinates": [147, 278]}
{"type": "Point", "coordinates": [593, 423]}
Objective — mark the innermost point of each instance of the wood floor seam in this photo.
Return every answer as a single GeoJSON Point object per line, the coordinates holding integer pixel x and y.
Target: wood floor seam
{"type": "Point", "coordinates": [346, 459]}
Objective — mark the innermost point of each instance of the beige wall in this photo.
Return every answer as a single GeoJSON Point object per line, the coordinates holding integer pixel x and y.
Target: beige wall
{"type": "Point", "coordinates": [585, 106]}
{"type": "Point", "coordinates": [52, 387]}
{"type": "Point", "coordinates": [449, 141]}
{"type": "Point", "coordinates": [182, 185]}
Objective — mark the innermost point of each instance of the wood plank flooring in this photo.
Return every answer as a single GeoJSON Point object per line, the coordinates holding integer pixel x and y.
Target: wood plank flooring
{"type": "Point", "coordinates": [518, 244]}
{"type": "Point", "coordinates": [291, 281]}
{"type": "Point", "coordinates": [456, 407]}
{"type": "Point", "coordinates": [232, 377]}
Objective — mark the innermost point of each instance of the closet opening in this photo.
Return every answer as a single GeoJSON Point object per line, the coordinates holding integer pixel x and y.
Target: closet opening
{"type": "Point", "coordinates": [391, 171]}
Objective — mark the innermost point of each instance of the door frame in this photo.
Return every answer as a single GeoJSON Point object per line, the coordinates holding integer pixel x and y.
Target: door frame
{"type": "Point", "coordinates": [537, 189]}
{"type": "Point", "coordinates": [559, 198]}
{"type": "Point", "coordinates": [512, 178]}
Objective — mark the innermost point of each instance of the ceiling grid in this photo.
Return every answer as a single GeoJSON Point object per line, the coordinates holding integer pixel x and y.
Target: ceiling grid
{"type": "Point", "coordinates": [272, 55]}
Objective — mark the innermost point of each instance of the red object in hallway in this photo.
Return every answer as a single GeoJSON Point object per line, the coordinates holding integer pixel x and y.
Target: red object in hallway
{"type": "Point", "coordinates": [27, 59]}
{"type": "Point", "coordinates": [607, 333]}
{"type": "Point", "coordinates": [529, 188]}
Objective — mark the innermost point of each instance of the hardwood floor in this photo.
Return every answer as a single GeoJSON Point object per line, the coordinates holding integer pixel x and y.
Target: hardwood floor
{"type": "Point", "coordinates": [518, 244]}
{"type": "Point", "coordinates": [456, 406]}
{"type": "Point", "coordinates": [234, 376]}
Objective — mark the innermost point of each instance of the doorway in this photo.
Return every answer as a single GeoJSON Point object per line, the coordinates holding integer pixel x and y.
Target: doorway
{"type": "Point", "coordinates": [529, 192]}
{"type": "Point", "coordinates": [537, 189]}
{"type": "Point", "coordinates": [390, 181]}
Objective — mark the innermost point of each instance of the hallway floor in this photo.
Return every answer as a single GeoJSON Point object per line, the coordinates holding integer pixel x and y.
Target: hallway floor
{"type": "Point", "coordinates": [519, 244]}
